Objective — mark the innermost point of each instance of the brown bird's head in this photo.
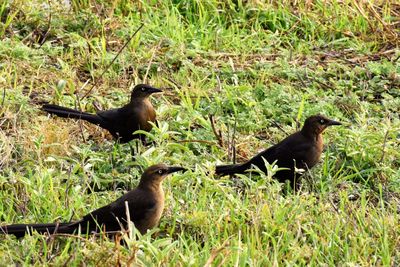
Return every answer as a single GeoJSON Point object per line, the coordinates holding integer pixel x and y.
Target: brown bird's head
{"type": "Point", "coordinates": [154, 175]}
{"type": "Point", "coordinates": [316, 124]}
{"type": "Point", "coordinates": [143, 91]}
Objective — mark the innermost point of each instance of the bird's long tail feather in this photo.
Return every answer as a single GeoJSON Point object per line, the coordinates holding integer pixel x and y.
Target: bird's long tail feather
{"type": "Point", "coordinates": [20, 230]}
{"type": "Point", "coordinates": [230, 169]}
{"type": "Point", "coordinates": [72, 113]}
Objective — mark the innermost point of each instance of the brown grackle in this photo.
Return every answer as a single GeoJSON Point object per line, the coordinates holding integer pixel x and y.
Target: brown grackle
{"type": "Point", "coordinates": [120, 122]}
{"type": "Point", "coordinates": [146, 204]}
{"type": "Point", "coordinates": [301, 150]}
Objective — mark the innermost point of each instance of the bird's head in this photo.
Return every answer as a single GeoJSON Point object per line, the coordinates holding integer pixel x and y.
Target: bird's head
{"type": "Point", "coordinates": [316, 124]}
{"type": "Point", "coordinates": [154, 175]}
{"type": "Point", "coordinates": [143, 91]}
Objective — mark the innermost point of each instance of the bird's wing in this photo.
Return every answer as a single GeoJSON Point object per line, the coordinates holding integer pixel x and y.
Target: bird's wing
{"type": "Point", "coordinates": [270, 155]}
{"type": "Point", "coordinates": [111, 115]}
{"type": "Point", "coordinates": [115, 120]}
{"type": "Point", "coordinates": [138, 202]}
{"type": "Point", "coordinates": [292, 147]}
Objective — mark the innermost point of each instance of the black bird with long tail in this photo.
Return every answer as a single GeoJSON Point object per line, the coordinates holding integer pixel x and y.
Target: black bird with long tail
{"type": "Point", "coordinates": [146, 204]}
{"type": "Point", "coordinates": [301, 150]}
{"type": "Point", "coordinates": [120, 122]}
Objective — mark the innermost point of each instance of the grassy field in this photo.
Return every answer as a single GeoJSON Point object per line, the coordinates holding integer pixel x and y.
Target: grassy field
{"type": "Point", "coordinates": [259, 69]}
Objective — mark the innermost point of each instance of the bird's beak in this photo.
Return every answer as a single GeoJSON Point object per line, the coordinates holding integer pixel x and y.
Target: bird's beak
{"type": "Point", "coordinates": [175, 169]}
{"type": "Point", "coordinates": [153, 90]}
{"type": "Point", "coordinates": [332, 122]}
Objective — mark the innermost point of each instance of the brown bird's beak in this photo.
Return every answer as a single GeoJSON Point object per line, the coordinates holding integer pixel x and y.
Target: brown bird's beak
{"type": "Point", "coordinates": [175, 169]}
{"type": "Point", "coordinates": [332, 122]}
{"type": "Point", "coordinates": [153, 90]}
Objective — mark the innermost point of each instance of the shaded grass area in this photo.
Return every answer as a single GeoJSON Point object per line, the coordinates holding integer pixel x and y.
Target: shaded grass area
{"type": "Point", "coordinates": [263, 67]}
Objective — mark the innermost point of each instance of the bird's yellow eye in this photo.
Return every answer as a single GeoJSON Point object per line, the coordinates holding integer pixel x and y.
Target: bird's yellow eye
{"type": "Point", "coordinates": [160, 172]}
{"type": "Point", "coordinates": [322, 121]}
{"type": "Point", "coordinates": [143, 89]}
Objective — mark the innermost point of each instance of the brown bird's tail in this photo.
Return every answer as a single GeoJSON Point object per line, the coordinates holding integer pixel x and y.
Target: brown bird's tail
{"type": "Point", "coordinates": [72, 113]}
{"type": "Point", "coordinates": [20, 230]}
{"type": "Point", "coordinates": [230, 169]}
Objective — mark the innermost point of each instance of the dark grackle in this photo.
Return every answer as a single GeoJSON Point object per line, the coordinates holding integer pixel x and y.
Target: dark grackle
{"type": "Point", "coordinates": [146, 204]}
{"type": "Point", "coordinates": [120, 122]}
{"type": "Point", "coordinates": [301, 150]}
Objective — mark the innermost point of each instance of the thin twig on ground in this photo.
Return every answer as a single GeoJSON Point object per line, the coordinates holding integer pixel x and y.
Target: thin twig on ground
{"type": "Point", "coordinates": [279, 127]}
{"type": "Point", "coordinates": [233, 142]}
{"type": "Point", "coordinates": [4, 97]}
{"type": "Point", "coordinates": [217, 134]}
{"type": "Point", "coordinates": [219, 84]}
{"type": "Point", "coordinates": [197, 141]}
{"type": "Point", "coordinates": [48, 26]}
{"type": "Point", "coordinates": [384, 146]}
{"type": "Point", "coordinates": [112, 62]}
{"type": "Point", "coordinates": [155, 49]}
{"type": "Point", "coordinates": [333, 205]}
{"type": "Point", "coordinates": [301, 80]}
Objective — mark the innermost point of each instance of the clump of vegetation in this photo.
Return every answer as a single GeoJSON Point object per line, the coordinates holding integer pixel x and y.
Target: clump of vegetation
{"type": "Point", "coordinates": [259, 69]}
